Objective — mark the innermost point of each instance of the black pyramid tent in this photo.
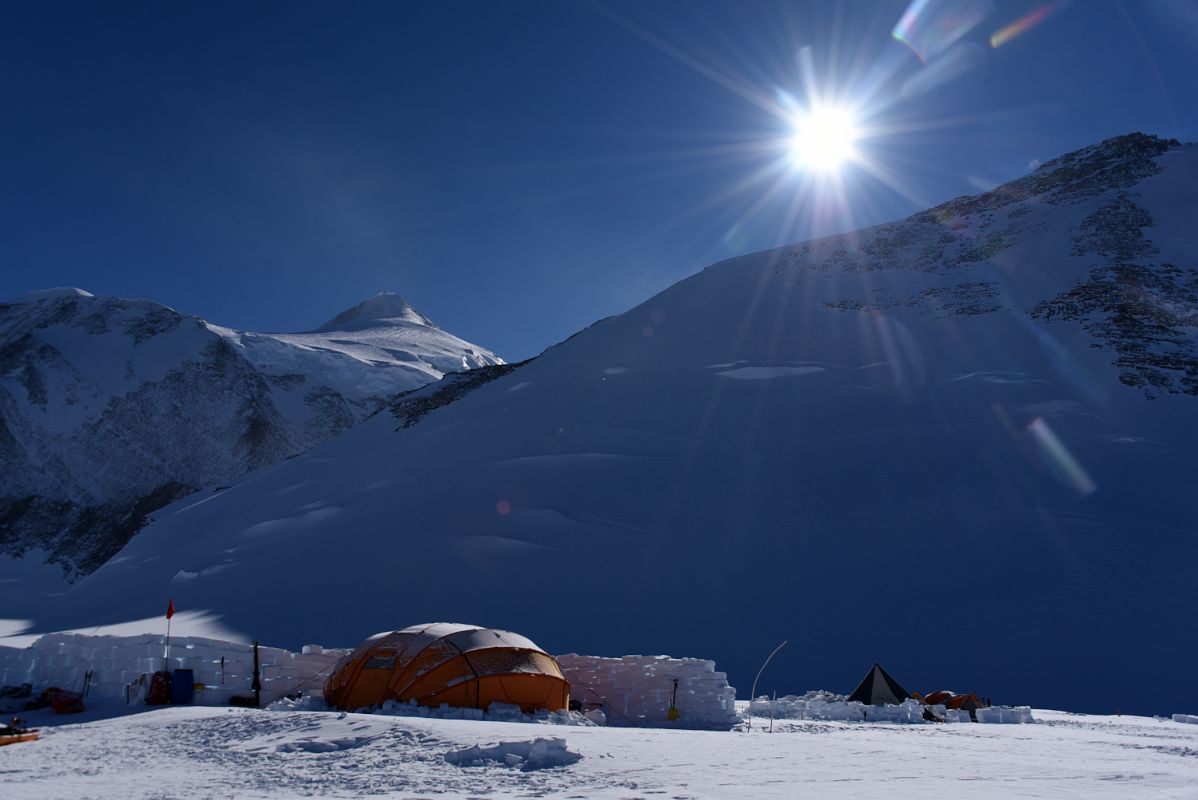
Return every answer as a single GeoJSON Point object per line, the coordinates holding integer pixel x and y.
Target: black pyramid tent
{"type": "Point", "coordinates": [877, 688]}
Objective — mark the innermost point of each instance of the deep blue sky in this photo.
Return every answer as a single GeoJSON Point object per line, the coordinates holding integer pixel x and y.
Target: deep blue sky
{"type": "Point", "coordinates": [517, 170]}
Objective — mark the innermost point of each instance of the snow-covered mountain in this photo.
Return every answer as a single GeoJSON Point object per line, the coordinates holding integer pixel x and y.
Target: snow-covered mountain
{"type": "Point", "coordinates": [111, 408]}
{"type": "Point", "coordinates": [962, 444]}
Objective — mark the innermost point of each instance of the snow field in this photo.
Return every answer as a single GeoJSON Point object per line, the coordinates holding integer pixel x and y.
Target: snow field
{"type": "Point", "coordinates": [250, 753]}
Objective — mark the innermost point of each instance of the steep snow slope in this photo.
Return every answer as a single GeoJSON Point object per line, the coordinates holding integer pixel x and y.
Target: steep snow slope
{"type": "Point", "coordinates": [111, 408]}
{"type": "Point", "coordinates": [962, 444]}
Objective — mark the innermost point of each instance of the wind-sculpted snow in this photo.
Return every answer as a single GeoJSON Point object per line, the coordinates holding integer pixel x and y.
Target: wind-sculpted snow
{"type": "Point", "coordinates": [112, 408]}
{"type": "Point", "coordinates": [205, 752]}
{"type": "Point", "coordinates": [872, 445]}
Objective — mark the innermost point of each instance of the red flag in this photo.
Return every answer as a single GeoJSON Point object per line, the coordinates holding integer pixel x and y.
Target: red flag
{"type": "Point", "coordinates": [170, 608]}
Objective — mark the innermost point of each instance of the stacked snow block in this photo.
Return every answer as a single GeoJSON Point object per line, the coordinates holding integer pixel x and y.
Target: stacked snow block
{"type": "Point", "coordinates": [1007, 715]}
{"type": "Point", "coordinates": [826, 706]}
{"type": "Point", "coordinates": [636, 691]}
{"type": "Point", "coordinates": [118, 667]}
{"type": "Point", "coordinates": [13, 668]}
{"type": "Point", "coordinates": [830, 707]}
{"type": "Point", "coordinates": [812, 705]}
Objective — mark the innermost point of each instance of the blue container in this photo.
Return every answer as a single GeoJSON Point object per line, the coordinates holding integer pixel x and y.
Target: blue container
{"type": "Point", "coordinates": [183, 686]}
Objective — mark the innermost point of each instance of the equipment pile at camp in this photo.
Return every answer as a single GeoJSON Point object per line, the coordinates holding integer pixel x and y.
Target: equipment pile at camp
{"type": "Point", "coordinates": [15, 731]}
{"type": "Point", "coordinates": [441, 669]}
{"type": "Point", "coordinates": [880, 698]}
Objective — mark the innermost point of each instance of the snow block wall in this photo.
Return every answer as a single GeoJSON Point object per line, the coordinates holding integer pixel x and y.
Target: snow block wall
{"type": "Point", "coordinates": [635, 691]}
{"type": "Point", "coordinates": [11, 659]}
{"type": "Point", "coordinates": [120, 666]}
{"type": "Point", "coordinates": [1006, 714]}
{"type": "Point", "coordinates": [829, 707]}
{"type": "Point", "coordinates": [826, 706]}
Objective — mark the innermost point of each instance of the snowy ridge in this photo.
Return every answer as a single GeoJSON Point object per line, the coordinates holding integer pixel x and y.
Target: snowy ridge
{"type": "Point", "coordinates": [111, 408]}
{"type": "Point", "coordinates": [880, 445]}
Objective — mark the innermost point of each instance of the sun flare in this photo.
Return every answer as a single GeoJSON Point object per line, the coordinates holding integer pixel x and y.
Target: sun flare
{"type": "Point", "coordinates": [823, 139]}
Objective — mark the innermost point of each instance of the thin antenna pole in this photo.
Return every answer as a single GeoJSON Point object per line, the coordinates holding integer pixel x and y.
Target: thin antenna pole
{"type": "Point", "coordinates": [753, 691]}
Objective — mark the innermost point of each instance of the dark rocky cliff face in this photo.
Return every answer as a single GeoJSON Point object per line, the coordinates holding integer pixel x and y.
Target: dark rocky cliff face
{"type": "Point", "coordinates": [1134, 305]}
{"type": "Point", "coordinates": [1143, 310]}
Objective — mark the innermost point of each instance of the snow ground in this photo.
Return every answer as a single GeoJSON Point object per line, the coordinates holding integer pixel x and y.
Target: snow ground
{"type": "Point", "coordinates": [196, 752]}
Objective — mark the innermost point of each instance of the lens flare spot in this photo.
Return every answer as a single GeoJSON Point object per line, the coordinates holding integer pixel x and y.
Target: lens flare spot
{"type": "Point", "coordinates": [930, 27]}
{"type": "Point", "coordinates": [1056, 455]}
{"type": "Point", "coordinates": [1024, 24]}
{"type": "Point", "coordinates": [503, 508]}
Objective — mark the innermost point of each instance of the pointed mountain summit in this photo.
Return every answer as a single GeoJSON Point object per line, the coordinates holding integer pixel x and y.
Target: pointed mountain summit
{"type": "Point", "coordinates": [385, 308]}
{"type": "Point", "coordinates": [111, 408]}
{"type": "Point", "coordinates": [960, 443]}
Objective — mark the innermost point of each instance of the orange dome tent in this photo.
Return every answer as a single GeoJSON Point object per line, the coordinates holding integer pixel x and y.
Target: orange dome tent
{"type": "Point", "coordinates": [460, 665]}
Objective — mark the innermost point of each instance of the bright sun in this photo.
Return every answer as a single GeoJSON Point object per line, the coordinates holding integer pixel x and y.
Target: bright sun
{"type": "Point", "coordinates": [823, 139]}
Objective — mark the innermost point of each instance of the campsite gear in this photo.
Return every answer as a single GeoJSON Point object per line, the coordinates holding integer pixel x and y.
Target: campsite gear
{"type": "Point", "coordinates": [13, 738]}
{"type": "Point", "coordinates": [14, 732]}
{"type": "Point", "coordinates": [460, 665]}
{"type": "Point", "coordinates": [64, 702]}
{"type": "Point", "coordinates": [672, 714]}
{"type": "Point", "coordinates": [134, 688]}
{"type": "Point", "coordinates": [166, 651]}
{"type": "Point", "coordinates": [962, 702]}
{"type": "Point", "coordinates": [17, 692]}
{"type": "Point", "coordinates": [183, 686]}
{"type": "Point", "coordinates": [256, 683]}
{"type": "Point", "coordinates": [15, 698]}
{"type": "Point", "coordinates": [42, 700]}
{"type": "Point", "coordinates": [160, 689]}
{"type": "Point", "coordinates": [879, 688]}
